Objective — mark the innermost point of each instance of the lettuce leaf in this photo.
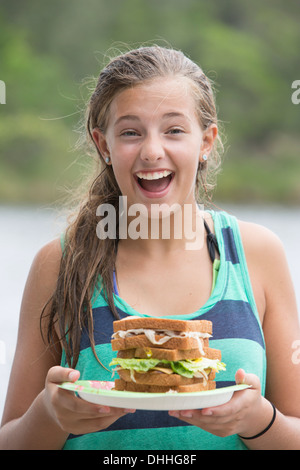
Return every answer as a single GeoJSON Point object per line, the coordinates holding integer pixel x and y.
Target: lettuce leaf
{"type": "Point", "coordinates": [139, 365]}
{"type": "Point", "coordinates": [189, 367]}
{"type": "Point", "coordinates": [186, 368]}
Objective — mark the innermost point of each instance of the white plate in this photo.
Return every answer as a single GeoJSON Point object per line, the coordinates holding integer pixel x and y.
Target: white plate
{"type": "Point", "coordinates": [101, 393]}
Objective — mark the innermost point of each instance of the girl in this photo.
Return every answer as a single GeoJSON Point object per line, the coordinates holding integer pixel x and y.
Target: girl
{"type": "Point", "coordinates": [153, 122]}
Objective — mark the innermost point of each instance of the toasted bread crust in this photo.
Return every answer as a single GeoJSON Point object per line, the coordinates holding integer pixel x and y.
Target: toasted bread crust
{"type": "Point", "coordinates": [144, 388]}
{"type": "Point", "coordinates": [155, 323]}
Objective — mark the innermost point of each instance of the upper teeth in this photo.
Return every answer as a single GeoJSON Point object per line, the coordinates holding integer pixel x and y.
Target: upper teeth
{"type": "Point", "coordinates": [155, 175]}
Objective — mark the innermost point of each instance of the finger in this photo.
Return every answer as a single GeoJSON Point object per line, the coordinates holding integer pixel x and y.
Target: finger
{"type": "Point", "coordinates": [97, 423]}
{"type": "Point", "coordinates": [195, 418]}
{"type": "Point", "coordinates": [234, 404]}
{"type": "Point", "coordinates": [186, 415]}
{"type": "Point", "coordinates": [181, 413]}
{"type": "Point", "coordinates": [58, 374]}
{"type": "Point", "coordinates": [66, 399]}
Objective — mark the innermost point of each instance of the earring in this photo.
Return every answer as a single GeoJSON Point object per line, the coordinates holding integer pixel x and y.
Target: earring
{"type": "Point", "coordinates": [204, 157]}
{"type": "Point", "coordinates": [107, 160]}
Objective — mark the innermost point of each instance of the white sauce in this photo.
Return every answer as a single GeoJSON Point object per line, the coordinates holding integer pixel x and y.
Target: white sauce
{"type": "Point", "coordinates": [167, 335]}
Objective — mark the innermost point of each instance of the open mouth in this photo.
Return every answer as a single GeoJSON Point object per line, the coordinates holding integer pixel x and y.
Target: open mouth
{"type": "Point", "coordinates": [155, 181]}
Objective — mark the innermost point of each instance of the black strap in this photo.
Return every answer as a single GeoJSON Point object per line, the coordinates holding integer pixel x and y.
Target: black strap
{"type": "Point", "coordinates": [266, 429]}
{"type": "Point", "coordinates": [212, 242]}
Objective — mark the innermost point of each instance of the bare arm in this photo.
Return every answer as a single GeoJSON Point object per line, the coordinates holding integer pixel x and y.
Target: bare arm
{"type": "Point", "coordinates": [38, 414]}
{"type": "Point", "coordinates": [248, 413]}
{"type": "Point", "coordinates": [23, 423]}
{"type": "Point", "coordinates": [268, 264]}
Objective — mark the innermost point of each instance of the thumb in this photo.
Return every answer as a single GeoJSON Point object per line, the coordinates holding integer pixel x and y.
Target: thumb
{"type": "Point", "coordinates": [58, 374]}
{"type": "Point", "coordinates": [240, 377]}
{"type": "Point", "coordinates": [250, 379]}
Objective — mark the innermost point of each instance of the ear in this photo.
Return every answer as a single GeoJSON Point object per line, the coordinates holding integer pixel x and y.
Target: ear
{"type": "Point", "coordinates": [208, 138]}
{"type": "Point", "coordinates": [100, 142]}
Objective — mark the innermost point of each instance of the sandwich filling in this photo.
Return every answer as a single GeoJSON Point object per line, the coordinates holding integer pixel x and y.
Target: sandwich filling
{"type": "Point", "coordinates": [199, 368]}
{"type": "Point", "coordinates": [165, 335]}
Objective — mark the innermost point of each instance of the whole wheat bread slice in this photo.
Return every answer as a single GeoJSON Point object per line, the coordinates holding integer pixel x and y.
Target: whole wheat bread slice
{"type": "Point", "coordinates": [155, 323]}
{"type": "Point", "coordinates": [159, 378]}
{"type": "Point", "coordinates": [133, 387]}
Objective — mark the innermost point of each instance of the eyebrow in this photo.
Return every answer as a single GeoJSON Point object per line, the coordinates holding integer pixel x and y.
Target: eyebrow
{"type": "Point", "coordinates": [133, 117]}
{"type": "Point", "coordinates": [127, 117]}
{"type": "Point", "coordinates": [175, 114]}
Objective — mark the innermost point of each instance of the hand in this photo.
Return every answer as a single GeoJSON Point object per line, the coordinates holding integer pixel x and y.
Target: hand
{"type": "Point", "coordinates": [246, 413]}
{"type": "Point", "coordinates": [71, 413]}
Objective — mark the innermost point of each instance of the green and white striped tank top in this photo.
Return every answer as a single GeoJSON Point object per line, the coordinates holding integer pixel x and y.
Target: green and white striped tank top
{"type": "Point", "coordinates": [236, 332]}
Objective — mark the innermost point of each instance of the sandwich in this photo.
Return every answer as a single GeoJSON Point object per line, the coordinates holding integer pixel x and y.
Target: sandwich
{"type": "Point", "coordinates": [159, 355]}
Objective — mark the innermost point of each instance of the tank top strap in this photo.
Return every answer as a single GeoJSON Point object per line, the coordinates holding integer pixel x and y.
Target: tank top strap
{"type": "Point", "coordinates": [231, 247]}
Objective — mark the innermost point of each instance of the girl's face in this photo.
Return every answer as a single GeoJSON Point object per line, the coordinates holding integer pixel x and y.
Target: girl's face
{"type": "Point", "coordinates": [155, 142]}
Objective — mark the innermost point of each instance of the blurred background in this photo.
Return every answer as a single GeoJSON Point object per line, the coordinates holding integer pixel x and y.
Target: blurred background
{"type": "Point", "coordinates": [48, 51]}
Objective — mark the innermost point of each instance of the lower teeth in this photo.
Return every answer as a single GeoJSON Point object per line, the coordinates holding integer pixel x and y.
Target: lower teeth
{"type": "Point", "coordinates": [155, 185]}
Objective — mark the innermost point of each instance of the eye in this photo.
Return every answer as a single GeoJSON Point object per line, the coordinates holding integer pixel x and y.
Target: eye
{"type": "Point", "coordinates": [129, 133]}
{"type": "Point", "coordinates": [175, 131]}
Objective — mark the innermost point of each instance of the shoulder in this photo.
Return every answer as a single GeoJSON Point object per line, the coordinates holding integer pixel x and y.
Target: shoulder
{"type": "Point", "coordinates": [48, 258]}
{"type": "Point", "coordinates": [268, 266]}
{"type": "Point", "coordinates": [43, 274]}
{"type": "Point", "coordinates": [39, 288]}
{"type": "Point", "coordinates": [51, 252]}
{"type": "Point", "coordinates": [260, 243]}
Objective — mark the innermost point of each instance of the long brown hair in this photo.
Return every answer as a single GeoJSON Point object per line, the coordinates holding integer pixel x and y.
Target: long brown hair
{"type": "Point", "coordinates": [87, 262]}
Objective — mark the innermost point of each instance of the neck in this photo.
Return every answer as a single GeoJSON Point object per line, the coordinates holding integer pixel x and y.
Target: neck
{"type": "Point", "coordinates": [163, 228]}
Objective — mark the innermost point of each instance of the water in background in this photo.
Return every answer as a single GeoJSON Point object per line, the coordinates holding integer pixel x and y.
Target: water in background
{"type": "Point", "coordinates": [24, 230]}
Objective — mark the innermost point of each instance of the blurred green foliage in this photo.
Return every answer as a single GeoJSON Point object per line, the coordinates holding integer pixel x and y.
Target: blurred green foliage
{"type": "Point", "coordinates": [249, 49]}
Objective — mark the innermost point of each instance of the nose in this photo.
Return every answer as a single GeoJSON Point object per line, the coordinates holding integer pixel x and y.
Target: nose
{"type": "Point", "coordinates": [152, 148]}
